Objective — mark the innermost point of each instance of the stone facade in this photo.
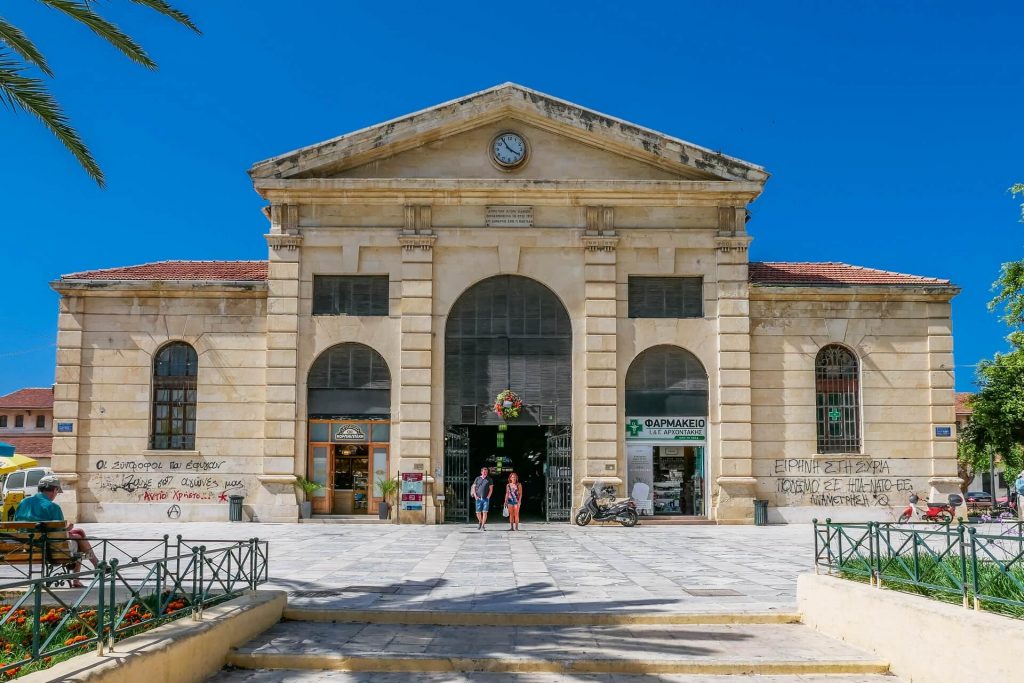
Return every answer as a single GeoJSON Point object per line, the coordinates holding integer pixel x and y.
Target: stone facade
{"type": "Point", "coordinates": [410, 199]}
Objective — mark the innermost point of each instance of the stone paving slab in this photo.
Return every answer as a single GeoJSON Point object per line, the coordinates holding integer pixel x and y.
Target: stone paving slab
{"type": "Point", "coordinates": [544, 567]}
{"type": "Point", "coordinates": [294, 676]}
{"type": "Point", "coordinates": [636, 648]}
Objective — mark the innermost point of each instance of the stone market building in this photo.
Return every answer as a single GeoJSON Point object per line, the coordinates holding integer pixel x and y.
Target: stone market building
{"type": "Point", "coordinates": [507, 240]}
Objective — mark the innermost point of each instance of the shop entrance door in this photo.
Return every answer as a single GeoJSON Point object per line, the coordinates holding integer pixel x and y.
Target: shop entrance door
{"type": "Point", "coordinates": [456, 474]}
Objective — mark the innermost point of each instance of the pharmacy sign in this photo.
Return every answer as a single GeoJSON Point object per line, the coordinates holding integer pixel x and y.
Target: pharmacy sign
{"type": "Point", "coordinates": [692, 430]}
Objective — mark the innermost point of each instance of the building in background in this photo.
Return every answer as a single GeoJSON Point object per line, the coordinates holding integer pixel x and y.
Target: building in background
{"type": "Point", "coordinates": [26, 422]}
{"type": "Point", "coordinates": [508, 241]}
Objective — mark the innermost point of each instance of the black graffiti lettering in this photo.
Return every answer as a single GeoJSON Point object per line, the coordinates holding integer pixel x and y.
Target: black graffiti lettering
{"type": "Point", "coordinates": [101, 465]}
{"type": "Point", "coordinates": [175, 465]}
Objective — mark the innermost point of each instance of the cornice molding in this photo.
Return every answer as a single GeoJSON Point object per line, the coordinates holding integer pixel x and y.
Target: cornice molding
{"type": "Point", "coordinates": [278, 241]}
{"type": "Point", "coordinates": [421, 241]}
{"type": "Point", "coordinates": [604, 242]}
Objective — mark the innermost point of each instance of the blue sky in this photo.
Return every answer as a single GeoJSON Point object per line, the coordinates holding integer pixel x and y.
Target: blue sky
{"type": "Point", "coordinates": [891, 130]}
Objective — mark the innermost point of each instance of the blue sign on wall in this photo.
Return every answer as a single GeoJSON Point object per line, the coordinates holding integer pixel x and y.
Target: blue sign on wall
{"type": "Point", "coordinates": [943, 431]}
{"type": "Point", "coordinates": [65, 427]}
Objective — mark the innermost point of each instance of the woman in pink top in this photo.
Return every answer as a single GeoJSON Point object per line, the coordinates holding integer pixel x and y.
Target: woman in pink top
{"type": "Point", "coordinates": [513, 499]}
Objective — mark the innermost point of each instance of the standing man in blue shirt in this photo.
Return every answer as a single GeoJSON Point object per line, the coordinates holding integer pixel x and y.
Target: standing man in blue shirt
{"type": "Point", "coordinates": [41, 508]}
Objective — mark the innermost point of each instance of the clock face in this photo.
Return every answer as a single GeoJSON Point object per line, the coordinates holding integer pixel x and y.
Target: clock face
{"type": "Point", "coordinates": [509, 149]}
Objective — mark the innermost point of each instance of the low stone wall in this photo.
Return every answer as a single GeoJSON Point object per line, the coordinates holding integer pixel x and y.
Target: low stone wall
{"type": "Point", "coordinates": [923, 640]}
{"type": "Point", "coordinates": [183, 651]}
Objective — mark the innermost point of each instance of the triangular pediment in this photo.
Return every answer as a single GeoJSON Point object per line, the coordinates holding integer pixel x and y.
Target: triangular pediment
{"type": "Point", "coordinates": [451, 140]}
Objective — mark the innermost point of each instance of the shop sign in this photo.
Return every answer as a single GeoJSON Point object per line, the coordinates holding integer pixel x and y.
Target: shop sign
{"type": "Point", "coordinates": [412, 491]}
{"type": "Point", "coordinates": [348, 432]}
{"type": "Point", "coordinates": [692, 429]}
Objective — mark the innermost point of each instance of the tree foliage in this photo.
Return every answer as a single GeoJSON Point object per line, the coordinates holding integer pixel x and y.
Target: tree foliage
{"type": "Point", "coordinates": [21, 61]}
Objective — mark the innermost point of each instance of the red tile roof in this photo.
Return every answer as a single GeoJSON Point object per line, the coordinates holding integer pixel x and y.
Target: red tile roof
{"type": "Point", "coordinates": [232, 271]}
{"type": "Point", "coordinates": [962, 408]}
{"type": "Point", "coordinates": [829, 274]}
{"type": "Point", "coordinates": [31, 445]}
{"type": "Point", "coordinates": [28, 398]}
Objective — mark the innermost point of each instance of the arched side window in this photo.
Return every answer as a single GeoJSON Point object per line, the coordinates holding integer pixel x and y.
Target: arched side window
{"type": "Point", "coordinates": [349, 379]}
{"type": "Point", "coordinates": [837, 402]}
{"type": "Point", "coordinates": [174, 398]}
{"type": "Point", "coordinates": [666, 381]}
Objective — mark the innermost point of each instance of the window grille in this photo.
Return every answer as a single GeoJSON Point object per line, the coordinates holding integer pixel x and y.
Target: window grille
{"type": "Point", "coordinates": [666, 297]}
{"type": "Point", "coordinates": [350, 295]}
{"type": "Point", "coordinates": [174, 398]}
{"type": "Point", "coordinates": [837, 389]}
{"type": "Point", "coordinates": [349, 379]}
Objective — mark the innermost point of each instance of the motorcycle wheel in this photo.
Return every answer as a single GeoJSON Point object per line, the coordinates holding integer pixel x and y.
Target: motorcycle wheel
{"type": "Point", "coordinates": [628, 518]}
{"type": "Point", "coordinates": [904, 518]}
{"type": "Point", "coordinates": [945, 516]}
{"type": "Point", "coordinates": [583, 518]}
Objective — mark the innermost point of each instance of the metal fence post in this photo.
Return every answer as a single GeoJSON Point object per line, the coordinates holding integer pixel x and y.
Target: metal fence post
{"type": "Point", "coordinates": [101, 573]}
{"type": "Point", "coordinates": [976, 579]}
{"type": "Point", "coordinates": [196, 616]}
{"type": "Point", "coordinates": [37, 606]}
{"type": "Point", "coordinates": [113, 603]}
{"type": "Point", "coordinates": [963, 564]}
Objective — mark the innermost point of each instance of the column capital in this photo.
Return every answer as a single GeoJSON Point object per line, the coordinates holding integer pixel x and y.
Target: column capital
{"type": "Point", "coordinates": [599, 242]}
{"type": "Point", "coordinates": [739, 243]}
{"type": "Point", "coordinates": [419, 241]}
{"type": "Point", "coordinates": [278, 241]}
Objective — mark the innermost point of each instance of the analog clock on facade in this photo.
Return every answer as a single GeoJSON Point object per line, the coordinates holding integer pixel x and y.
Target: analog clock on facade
{"type": "Point", "coordinates": [509, 150]}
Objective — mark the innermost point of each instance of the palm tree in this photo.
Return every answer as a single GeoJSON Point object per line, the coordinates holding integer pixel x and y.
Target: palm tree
{"type": "Point", "coordinates": [19, 89]}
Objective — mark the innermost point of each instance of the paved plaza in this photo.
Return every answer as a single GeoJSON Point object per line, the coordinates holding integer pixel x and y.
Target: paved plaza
{"type": "Point", "coordinates": [544, 567]}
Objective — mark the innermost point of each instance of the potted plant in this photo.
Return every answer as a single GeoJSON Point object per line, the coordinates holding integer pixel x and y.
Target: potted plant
{"type": "Point", "coordinates": [308, 488]}
{"type": "Point", "coordinates": [388, 489]}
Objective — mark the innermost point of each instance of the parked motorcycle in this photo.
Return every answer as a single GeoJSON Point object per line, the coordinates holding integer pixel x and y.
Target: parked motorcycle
{"type": "Point", "coordinates": [597, 505]}
{"type": "Point", "coordinates": [941, 513]}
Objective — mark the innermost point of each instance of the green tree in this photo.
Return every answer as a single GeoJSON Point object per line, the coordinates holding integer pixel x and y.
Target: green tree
{"type": "Point", "coordinates": [20, 60]}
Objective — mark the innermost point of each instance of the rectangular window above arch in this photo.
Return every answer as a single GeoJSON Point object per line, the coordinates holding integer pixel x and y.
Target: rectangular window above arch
{"type": "Point", "coordinates": [666, 297]}
{"type": "Point", "coordinates": [350, 295]}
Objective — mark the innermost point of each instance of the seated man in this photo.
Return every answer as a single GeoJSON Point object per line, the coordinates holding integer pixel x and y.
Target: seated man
{"type": "Point", "coordinates": [41, 508]}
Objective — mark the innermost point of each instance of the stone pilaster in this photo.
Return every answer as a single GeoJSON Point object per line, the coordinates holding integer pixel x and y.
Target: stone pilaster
{"type": "Point", "coordinates": [415, 374]}
{"type": "Point", "coordinates": [600, 426]}
{"type": "Point", "coordinates": [282, 457]}
{"type": "Point", "coordinates": [943, 480]}
{"type": "Point", "coordinates": [735, 478]}
{"type": "Point", "coordinates": [66, 391]}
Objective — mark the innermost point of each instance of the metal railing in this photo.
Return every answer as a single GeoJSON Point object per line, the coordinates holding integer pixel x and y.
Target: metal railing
{"type": "Point", "coordinates": [123, 596]}
{"type": "Point", "coordinates": [980, 569]}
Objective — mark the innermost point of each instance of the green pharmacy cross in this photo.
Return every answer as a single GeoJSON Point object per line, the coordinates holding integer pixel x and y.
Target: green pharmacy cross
{"type": "Point", "coordinates": [834, 414]}
{"type": "Point", "coordinates": [634, 427]}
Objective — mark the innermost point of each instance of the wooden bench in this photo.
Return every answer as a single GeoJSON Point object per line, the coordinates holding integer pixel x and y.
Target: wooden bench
{"type": "Point", "coordinates": [43, 546]}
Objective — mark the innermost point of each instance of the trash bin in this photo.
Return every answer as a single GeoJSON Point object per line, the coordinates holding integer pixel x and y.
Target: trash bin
{"type": "Point", "coordinates": [760, 513]}
{"type": "Point", "coordinates": [235, 508]}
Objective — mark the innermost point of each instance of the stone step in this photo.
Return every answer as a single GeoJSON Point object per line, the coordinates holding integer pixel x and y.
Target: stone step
{"type": "Point", "coordinates": [311, 612]}
{"type": "Point", "coordinates": [697, 649]}
{"type": "Point", "coordinates": [299, 676]}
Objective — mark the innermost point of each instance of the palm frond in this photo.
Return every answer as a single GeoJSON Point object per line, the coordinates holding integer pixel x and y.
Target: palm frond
{"type": "Point", "coordinates": [167, 10]}
{"type": "Point", "coordinates": [30, 94]}
{"type": "Point", "coordinates": [22, 46]}
{"type": "Point", "coordinates": [80, 11]}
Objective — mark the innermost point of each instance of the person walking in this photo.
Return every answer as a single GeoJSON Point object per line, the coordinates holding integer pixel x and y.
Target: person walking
{"type": "Point", "coordinates": [513, 499]}
{"type": "Point", "coordinates": [1018, 487]}
{"type": "Point", "coordinates": [481, 491]}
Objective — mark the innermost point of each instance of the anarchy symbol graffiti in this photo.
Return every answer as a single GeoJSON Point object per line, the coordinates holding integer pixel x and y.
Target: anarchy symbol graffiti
{"type": "Point", "coordinates": [174, 512]}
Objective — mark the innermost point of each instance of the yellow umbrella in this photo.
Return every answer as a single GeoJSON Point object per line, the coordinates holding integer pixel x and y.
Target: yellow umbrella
{"type": "Point", "coordinates": [12, 463]}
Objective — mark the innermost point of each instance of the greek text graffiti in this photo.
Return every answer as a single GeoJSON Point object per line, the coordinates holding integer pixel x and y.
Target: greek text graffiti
{"type": "Point", "coordinates": [830, 483]}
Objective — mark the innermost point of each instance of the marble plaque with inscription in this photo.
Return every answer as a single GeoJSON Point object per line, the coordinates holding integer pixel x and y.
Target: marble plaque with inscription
{"type": "Point", "coordinates": [509, 217]}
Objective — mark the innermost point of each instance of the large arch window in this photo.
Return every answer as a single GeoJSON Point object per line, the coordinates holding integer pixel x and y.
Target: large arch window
{"type": "Point", "coordinates": [837, 402]}
{"type": "Point", "coordinates": [174, 398]}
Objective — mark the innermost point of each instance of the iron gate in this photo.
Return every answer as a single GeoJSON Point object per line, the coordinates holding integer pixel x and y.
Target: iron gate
{"type": "Point", "coordinates": [558, 474]}
{"type": "Point", "coordinates": [456, 474]}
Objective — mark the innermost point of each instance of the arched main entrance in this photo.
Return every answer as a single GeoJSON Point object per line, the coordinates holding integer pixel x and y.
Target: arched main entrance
{"type": "Point", "coordinates": [349, 417]}
{"type": "Point", "coordinates": [508, 332]}
{"type": "Point", "coordinates": [666, 431]}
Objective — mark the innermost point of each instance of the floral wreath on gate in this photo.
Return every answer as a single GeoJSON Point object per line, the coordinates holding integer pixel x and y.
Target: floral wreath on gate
{"type": "Point", "coordinates": [508, 405]}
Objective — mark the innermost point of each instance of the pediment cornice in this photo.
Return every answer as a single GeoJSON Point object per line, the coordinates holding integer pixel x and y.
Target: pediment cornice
{"type": "Point", "coordinates": [685, 159]}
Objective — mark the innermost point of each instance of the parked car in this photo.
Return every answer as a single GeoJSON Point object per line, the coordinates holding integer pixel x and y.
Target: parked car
{"type": "Point", "coordinates": [979, 499]}
{"type": "Point", "coordinates": [19, 485]}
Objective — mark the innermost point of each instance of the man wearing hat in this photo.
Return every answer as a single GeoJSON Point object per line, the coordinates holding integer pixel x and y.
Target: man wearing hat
{"type": "Point", "coordinates": [41, 508]}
